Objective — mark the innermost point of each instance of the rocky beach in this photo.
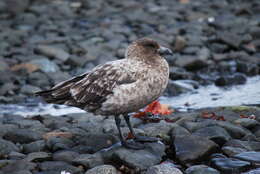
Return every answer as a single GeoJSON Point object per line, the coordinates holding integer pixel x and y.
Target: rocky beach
{"type": "Point", "coordinates": [213, 89]}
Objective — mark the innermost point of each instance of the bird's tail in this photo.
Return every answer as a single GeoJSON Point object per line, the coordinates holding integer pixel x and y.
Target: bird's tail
{"type": "Point", "coordinates": [60, 94]}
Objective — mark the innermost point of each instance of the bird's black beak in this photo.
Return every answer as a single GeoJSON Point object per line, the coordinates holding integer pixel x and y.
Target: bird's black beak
{"type": "Point", "coordinates": [164, 51]}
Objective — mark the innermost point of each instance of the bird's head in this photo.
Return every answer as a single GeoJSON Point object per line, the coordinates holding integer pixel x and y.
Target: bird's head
{"type": "Point", "coordinates": [146, 48]}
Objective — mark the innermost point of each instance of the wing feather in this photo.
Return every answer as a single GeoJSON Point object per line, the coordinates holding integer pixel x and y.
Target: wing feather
{"type": "Point", "coordinates": [93, 89]}
{"type": "Point", "coordinates": [88, 91]}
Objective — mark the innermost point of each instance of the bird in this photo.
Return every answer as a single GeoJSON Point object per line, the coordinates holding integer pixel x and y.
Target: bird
{"type": "Point", "coordinates": [118, 88]}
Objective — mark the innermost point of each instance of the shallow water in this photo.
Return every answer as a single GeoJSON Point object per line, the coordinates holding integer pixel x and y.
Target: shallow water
{"type": "Point", "coordinates": [213, 96]}
{"type": "Point", "coordinates": [207, 96]}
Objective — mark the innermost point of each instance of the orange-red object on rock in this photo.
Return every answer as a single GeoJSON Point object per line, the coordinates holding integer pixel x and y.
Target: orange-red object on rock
{"type": "Point", "coordinates": [155, 108]}
{"type": "Point", "coordinates": [248, 116]}
{"type": "Point", "coordinates": [130, 136]}
{"type": "Point", "coordinates": [212, 116]}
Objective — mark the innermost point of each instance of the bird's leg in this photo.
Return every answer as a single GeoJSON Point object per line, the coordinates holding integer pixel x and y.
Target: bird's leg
{"type": "Point", "coordinates": [131, 144]}
{"type": "Point", "coordinates": [138, 138]}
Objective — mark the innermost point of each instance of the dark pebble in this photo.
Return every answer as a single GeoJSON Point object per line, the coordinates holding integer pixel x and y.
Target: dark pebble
{"type": "Point", "coordinates": [215, 133]}
{"type": "Point", "coordinates": [201, 148]}
{"type": "Point", "coordinates": [229, 165]}
{"type": "Point", "coordinates": [23, 136]}
{"type": "Point", "coordinates": [89, 160]}
{"type": "Point", "coordinates": [35, 146]}
{"type": "Point", "coordinates": [59, 143]}
{"type": "Point", "coordinates": [251, 156]}
{"type": "Point", "coordinates": [59, 166]}
{"type": "Point", "coordinates": [201, 169]}
{"type": "Point", "coordinates": [6, 147]}
{"type": "Point", "coordinates": [65, 155]}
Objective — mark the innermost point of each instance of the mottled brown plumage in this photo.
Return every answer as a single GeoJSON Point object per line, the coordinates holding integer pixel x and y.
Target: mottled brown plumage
{"type": "Point", "coordinates": [117, 87]}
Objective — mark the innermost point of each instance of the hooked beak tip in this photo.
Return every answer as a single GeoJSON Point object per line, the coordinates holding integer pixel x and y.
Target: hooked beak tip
{"type": "Point", "coordinates": [165, 51]}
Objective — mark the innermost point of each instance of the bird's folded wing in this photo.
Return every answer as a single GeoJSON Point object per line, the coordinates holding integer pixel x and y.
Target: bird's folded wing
{"type": "Point", "coordinates": [59, 94]}
{"type": "Point", "coordinates": [98, 84]}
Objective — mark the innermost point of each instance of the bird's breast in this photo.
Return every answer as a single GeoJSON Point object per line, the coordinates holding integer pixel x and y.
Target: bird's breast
{"type": "Point", "coordinates": [126, 98]}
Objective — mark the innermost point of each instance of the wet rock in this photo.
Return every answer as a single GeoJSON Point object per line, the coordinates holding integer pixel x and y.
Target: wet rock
{"type": "Point", "coordinates": [59, 143]}
{"type": "Point", "coordinates": [45, 65]}
{"type": "Point", "coordinates": [180, 43]}
{"type": "Point", "coordinates": [19, 165]}
{"type": "Point", "coordinates": [236, 79]}
{"type": "Point", "coordinates": [249, 145]}
{"type": "Point", "coordinates": [234, 130]}
{"type": "Point", "coordinates": [65, 155]}
{"type": "Point", "coordinates": [7, 89]}
{"type": "Point", "coordinates": [177, 73]}
{"type": "Point", "coordinates": [252, 156]}
{"type": "Point", "coordinates": [3, 65]}
{"type": "Point", "coordinates": [52, 52]}
{"type": "Point", "coordinates": [16, 156]}
{"type": "Point", "coordinates": [138, 160]}
{"type": "Point", "coordinates": [2, 6]}
{"type": "Point", "coordinates": [246, 122]}
{"type": "Point", "coordinates": [59, 166]}
{"type": "Point", "coordinates": [29, 89]}
{"type": "Point", "coordinates": [194, 40]}
{"type": "Point", "coordinates": [254, 171]}
{"type": "Point", "coordinates": [24, 123]}
{"type": "Point", "coordinates": [78, 60]}
{"type": "Point", "coordinates": [101, 141]}
{"type": "Point", "coordinates": [190, 62]}
{"type": "Point", "coordinates": [89, 160]}
{"type": "Point", "coordinates": [192, 126]}
{"type": "Point", "coordinates": [215, 133]}
{"type": "Point", "coordinates": [191, 50]}
{"type": "Point", "coordinates": [201, 148]}
{"type": "Point", "coordinates": [164, 168]}
{"type": "Point", "coordinates": [177, 87]}
{"type": "Point", "coordinates": [16, 7]}
{"type": "Point", "coordinates": [203, 54]}
{"type": "Point", "coordinates": [227, 165]}
{"type": "Point", "coordinates": [4, 163]}
{"type": "Point", "coordinates": [38, 157]}
{"type": "Point", "coordinates": [231, 151]}
{"type": "Point", "coordinates": [255, 32]}
{"type": "Point", "coordinates": [23, 136]}
{"type": "Point", "coordinates": [179, 130]}
{"type": "Point", "coordinates": [230, 39]}
{"type": "Point", "coordinates": [58, 77]}
{"type": "Point", "coordinates": [248, 69]}
{"type": "Point", "coordinates": [104, 169]}
{"type": "Point", "coordinates": [160, 129]}
{"type": "Point", "coordinates": [218, 48]}
{"type": "Point", "coordinates": [257, 133]}
{"type": "Point", "coordinates": [4, 128]}
{"type": "Point", "coordinates": [35, 146]}
{"type": "Point", "coordinates": [38, 79]}
{"type": "Point", "coordinates": [55, 122]}
{"type": "Point", "coordinates": [92, 47]}
{"type": "Point", "coordinates": [249, 137]}
{"type": "Point", "coordinates": [21, 172]}
{"type": "Point", "coordinates": [201, 169]}
{"type": "Point", "coordinates": [89, 123]}
{"type": "Point", "coordinates": [6, 147]}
